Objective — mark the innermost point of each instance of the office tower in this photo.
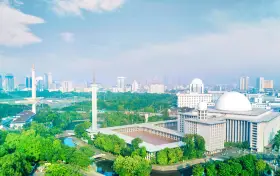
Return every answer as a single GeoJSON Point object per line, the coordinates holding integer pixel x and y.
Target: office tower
{"type": "Point", "coordinates": [260, 84]}
{"type": "Point", "coordinates": [268, 84]}
{"type": "Point", "coordinates": [33, 83]}
{"type": "Point", "coordinates": [120, 84]}
{"type": "Point", "coordinates": [28, 82]}
{"type": "Point", "coordinates": [40, 83]}
{"type": "Point", "coordinates": [1, 83]}
{"type": "Point", "coordinates": [50, 80]}
{"type": "Point", "coordinates": [244, 83]}
{"type": "Point", "coordinates": [46, 81]}
{"type": "Point", "coordinates": [67, 86]}
{"type": "Point", "coordinates": [134, 86]}
{"type": "Point", "coordinates": [9, 82]}
{"type": "Point", "coordinates": [157, 88]}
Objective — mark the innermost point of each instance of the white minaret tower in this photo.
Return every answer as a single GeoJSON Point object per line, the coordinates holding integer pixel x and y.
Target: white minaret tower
{"type": "Point", "coordinates": [94, 106]}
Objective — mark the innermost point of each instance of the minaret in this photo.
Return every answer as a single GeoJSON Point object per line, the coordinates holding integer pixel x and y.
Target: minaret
{"type": "Point", "coordinates": [94, 105]}
{"type": "Point", "coordinates": [33, 89]}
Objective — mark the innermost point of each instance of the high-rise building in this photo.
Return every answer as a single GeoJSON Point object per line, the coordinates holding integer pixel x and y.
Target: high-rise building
{"type": "Point", "coordinates": [46, 81]}
{"type": "Point", "coordinates": [1, 83]}
{"type": "Point", "coordinates": [39, 83]}
{"type": "Point", "coordinates": [244, 83]}
{"type": "Point", "coordinates": [134, 86]}
{"type": "Point", "coordinates": [50, 80]}
{"type": "Point", "coordinates": [28, 82]}
{"type": "Point", "coordinates": [120, 84]}
{"type": "Point", "coordinates": [157, 88]}
{"type": "Point", "coordinates": [260, 84]}
{"type": "Point", "coordinates": [9, 82]}
{"type": "Point", "coordinates": [67, 86]}
{"type": "Point", "coordinates": [268, 84]}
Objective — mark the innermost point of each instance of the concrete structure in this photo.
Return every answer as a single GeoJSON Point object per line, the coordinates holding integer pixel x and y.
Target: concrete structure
{"type": "Point", "coordinates": [191, 100]}
{"type": "Point", "coordinates": [197, 86]}
{"type": "Point", "coordinates": [50, 81]}
{"type": "Point", "coordinates": [9, 82]}
{"type": "Point", "coordinates": [46, 81]}
{"type": "Point", "coordinates": [120, 84]}
{"type": "Point", "coordinates": [67, 86]}
{"type": "Point", "coordinates": [154, 129]}
{"type": "Point", "coordinates": [134, 86]}
{"type": "Point", "coordinates": [244, 83]}
{"type": "Point", "coordinates": [268, 84]}
{"type": "Point", "coordinates": [257, 126]}
{"type": "Point", "coordinates": [22, 119]}
{"type": "Point", "coordinates": [93, 129]}
{"type": "Point", "coordinates": [28, 82]}
{"type": "Point", "coordinates": [157, 88]}
{"type": "Point", "coordinates": [260, 84]}
{"type": "Point", "coordinates": [1, 83]}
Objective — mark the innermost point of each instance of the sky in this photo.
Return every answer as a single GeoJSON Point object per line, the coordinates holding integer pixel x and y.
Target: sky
{"type": "Point", "coordinates": [215, 40]}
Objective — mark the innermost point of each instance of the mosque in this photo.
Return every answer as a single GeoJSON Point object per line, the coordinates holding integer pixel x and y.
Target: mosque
{"type": "Point", "coordinates": [231, 120]}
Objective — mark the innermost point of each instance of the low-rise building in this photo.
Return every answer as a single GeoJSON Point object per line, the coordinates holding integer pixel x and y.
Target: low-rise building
{"type": "Point", "coordinates": [21, 119]}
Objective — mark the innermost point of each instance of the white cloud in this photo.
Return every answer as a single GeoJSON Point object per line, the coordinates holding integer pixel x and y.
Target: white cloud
{"type": "Point", "coordinates": [240, 48]}
{"type": "Point", "coordinates": [14, 29]}
{"type": "Point", "coordinates": [76, 6]}
{"type": "Point", "coordinates": [68, 37]}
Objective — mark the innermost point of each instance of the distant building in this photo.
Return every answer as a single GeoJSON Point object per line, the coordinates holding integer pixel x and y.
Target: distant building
{"type": "Point", "coordinates": [128, 88]}
{"type": "Point", "coordinates": [67, 86]}
{"type": "Point", "coordinates": [121, 84]}
{"type": "Point", "coordinates": [28, 82]}
{"type": "Point", "coordinates": [21, 119]}
{"type": "Point", "coordinates": [260, 84]}
{"type": "Point", "coordinates": [268, 84]}
{"type": "Point", "coordinates": [197, 86]}
{"type": "Point", "coordinates": [157, 88]}
{"type": "Point", "coordinates": [39, 83]}
{"type": "Point", "coordinates": [50, 81]}
{"type": "Point", "coordinates": [244, 83]}
{"type": "Point", "coordinates": [9, 82]}
{"type": "Point", "coordinates": [1, 83]}
{"type": "Point", "coordinates": [263, 84]}
{"type": "Point", "coordinates": [195, 96]}
{"type": "Point", "coordinates": [135, 86]}
{"type": "Point", "coordinates": [46, 81]}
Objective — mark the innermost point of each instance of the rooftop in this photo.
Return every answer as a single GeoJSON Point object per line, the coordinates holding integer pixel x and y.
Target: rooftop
{"type": "Point", "coordinates": [23, 117]}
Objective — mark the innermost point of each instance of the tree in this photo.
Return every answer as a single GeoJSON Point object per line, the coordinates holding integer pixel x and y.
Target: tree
{"type": "Point", "coordinates": [162, 158]}
{"type": "Point", "coordinates": [235, 169]}
{"type": "Point", "coordinates": [197, 170]}
{"type": "Point", "coordinates": [260, 166]}
{"type": "Point", "coordinates": [135, 143]}
{"type": "Point", "coordinates": [276, 141]}
{"type": "Point", "coordinates": [132, 166]}
{"type": "Point", "coordinates": [172, 157]}
{"type": "Point", "coordinates": [210, 169]}
{"type": "Point", "coordinates": [224, 169]}
{"type": "Point", "coordinates": [62, 169]}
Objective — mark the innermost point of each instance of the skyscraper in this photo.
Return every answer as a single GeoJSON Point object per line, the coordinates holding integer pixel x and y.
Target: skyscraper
{"type": "Point", "coordinates": [67, 86]}
{"type": "Point", "coordinates": [1, 81]}
{"type": "Point", "coordinates": [50, 80]}
{"type": "Point", "coordinates": [28, 82]}
{"type": "Point", "coordinates": [9, 82]}
{"type": "Point", "coordinates": [46, 81]}
{"type": "Point", "coordinates": [134, 86]}
{"type": "Point", "coordinates": [120, 84]}
{"type": "Point", "coordinates": [244, 83]}
{"type": "Point", "coordinates": [260, 84]}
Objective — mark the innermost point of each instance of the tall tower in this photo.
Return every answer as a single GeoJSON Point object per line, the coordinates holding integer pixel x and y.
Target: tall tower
{"type": "Point", "coordinates": [33, 83]}
{"type": "Point", "coordinates": [94, 105]}
{"type": "Point", "coordinates": [244, 83]}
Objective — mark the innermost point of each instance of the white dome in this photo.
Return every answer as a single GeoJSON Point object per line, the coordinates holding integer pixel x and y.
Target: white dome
{"type": "Point", "coordinates": [233, 101]}
{"type": "Point", "coordinates": [202, 106]}
{"type": "Point", "coordinates": [197, 81]}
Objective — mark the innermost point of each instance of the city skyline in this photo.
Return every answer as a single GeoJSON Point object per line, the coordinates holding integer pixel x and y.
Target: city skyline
{"type": "Point", "coordinates": [178, 39]}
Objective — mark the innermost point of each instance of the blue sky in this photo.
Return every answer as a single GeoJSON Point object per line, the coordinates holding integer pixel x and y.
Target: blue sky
{"type": "Point", "coordinates": [215, 40]}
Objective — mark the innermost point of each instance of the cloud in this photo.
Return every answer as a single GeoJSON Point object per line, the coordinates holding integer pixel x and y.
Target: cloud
{"type": "Point", "coordinates": [252, 49]}
{"type": "Point", "coordinates": [75, 7]}
{"type": "Point", "coordinates": [14, 29]}
{"type": "Point", "coordinates": [68, 37]}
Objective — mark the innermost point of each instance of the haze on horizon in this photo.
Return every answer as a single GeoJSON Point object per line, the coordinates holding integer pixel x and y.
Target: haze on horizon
{"type": "Point", "coordinates": [216, 40]}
